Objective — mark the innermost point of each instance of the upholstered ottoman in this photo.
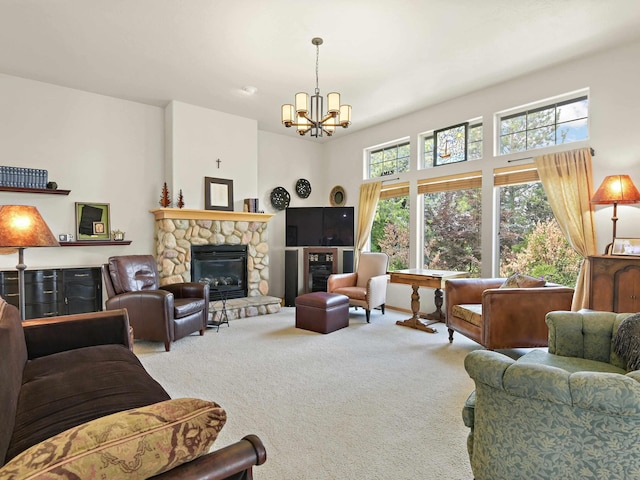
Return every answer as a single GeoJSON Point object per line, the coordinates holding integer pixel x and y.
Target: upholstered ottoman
{"type": "Point", "coordinates": [322, 312]}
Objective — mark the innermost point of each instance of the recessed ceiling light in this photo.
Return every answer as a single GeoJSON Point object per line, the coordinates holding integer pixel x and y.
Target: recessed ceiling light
{"type": "Point", "coordinates": [248, 90]}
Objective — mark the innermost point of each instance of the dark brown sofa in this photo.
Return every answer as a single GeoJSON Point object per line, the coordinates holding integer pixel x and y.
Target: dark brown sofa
{"type": "Point", "coordinates": [61, 372]}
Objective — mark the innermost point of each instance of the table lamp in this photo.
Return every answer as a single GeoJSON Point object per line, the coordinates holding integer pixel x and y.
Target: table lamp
{"type": "Point", "coordinates": [21, 226]}
{"type": "Point", "coordinates": [616, 189]}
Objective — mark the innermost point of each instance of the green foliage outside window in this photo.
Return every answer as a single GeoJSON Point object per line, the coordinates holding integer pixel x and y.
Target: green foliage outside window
{"type": "Point", "coordinates": [531, 241]}
{"type": "Point", "coordinates": [390, 231]}
{"type": "Point", "coordinates": [452, 222]}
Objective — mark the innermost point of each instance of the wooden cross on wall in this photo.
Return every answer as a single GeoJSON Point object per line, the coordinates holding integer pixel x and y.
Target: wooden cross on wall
{"type": "Point", "coordinates": [218, 161]}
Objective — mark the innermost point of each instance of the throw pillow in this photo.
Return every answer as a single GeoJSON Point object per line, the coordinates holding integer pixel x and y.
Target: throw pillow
{"type": "Point", "coordinates": [626, 342]}
{"type": "Point", "coordinates": [518, 280]}
{"type": "Point", "coordinates": [133, 444]}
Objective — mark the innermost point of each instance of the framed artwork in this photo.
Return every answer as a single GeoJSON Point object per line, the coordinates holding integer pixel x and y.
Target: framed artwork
{"type": "Point", "coordinates": [218, 194]}
{"type": "Point", "coordinates": [450, 144]}
{"type": "Point", "coordinates": [92, 221]}
{"type": "Point", "coordinates": [626, 246]}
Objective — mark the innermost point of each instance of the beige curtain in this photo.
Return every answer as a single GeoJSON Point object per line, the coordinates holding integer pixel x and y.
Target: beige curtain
{"type": "Point", "coordinates": [369, 195]}
{"type": "Point", "coordinates": [568, 182]}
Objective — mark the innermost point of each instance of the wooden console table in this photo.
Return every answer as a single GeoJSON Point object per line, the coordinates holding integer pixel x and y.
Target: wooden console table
{"type": "Point", "coordinates": [420, 277]}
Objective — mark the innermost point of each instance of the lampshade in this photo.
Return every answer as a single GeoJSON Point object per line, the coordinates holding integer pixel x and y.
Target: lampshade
{"type": "Point", "coordinates": [22, 226]}
{"type": "Point", "coordinates": [616, 189]}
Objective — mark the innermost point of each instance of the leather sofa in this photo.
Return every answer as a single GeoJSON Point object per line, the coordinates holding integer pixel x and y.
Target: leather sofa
{"type": "Point", "coordinates": [158, 313]}
{"type": "Point", "coordinates": [500, 318]}
{"type": "Point", "coordinates": [571, 412]}
{"type": "Point", "coordinates": [64, 374]}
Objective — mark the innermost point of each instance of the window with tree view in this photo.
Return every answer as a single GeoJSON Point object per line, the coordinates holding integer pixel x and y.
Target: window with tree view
{"type": "Point", "coordinates": [452, 224]}
{"type": "Point", "coordinates": [390, 230]}
{"type": "Point", "coordinates": [389, 160]}
{"type": "Point", "coordinates": [554, 124]}
{"type": "Point", "coordinates": [531, 241]}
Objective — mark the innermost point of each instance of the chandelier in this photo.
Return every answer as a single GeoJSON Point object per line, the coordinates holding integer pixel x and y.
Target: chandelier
{"type": "Point", "coordinates": [309, 116]}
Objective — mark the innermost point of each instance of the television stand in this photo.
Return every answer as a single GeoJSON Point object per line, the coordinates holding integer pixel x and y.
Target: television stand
{"type": "Point", "coordinates": [319, 263]}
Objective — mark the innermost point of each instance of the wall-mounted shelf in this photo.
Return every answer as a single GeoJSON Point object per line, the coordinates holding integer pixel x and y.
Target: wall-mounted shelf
{"type": "Point", "coordinates": [48, 191]}
{"type": "Point", "coordinates": [94, 243]}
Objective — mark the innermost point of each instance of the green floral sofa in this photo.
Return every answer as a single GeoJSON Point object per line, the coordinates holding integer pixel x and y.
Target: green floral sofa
{"type": "Point", "coordinates": [570, 413]}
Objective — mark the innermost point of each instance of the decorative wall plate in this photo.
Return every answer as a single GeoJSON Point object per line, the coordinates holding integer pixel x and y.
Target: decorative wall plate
{"type": "Point", "coordinates": [303, 188]}
{"type": "Point", "coordinates": [337, 197]}
{"type": "Point", "coordinates": [280, 198]}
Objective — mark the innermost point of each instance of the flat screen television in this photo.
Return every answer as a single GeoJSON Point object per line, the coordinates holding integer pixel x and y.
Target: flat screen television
{"type": "Point", "coordinates": [319, 226]}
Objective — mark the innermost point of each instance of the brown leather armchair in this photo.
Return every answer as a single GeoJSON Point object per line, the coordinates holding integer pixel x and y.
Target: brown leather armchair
{"type": "Point", "coordinates": [499, 318]}
{"type": "Point", "coordinates": [157, 313]}
{"type": "Point", "coordinates": [366, 288]}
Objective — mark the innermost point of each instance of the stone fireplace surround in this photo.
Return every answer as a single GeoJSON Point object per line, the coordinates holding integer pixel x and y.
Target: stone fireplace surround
{"type": "Point", "coordinates": [176, 230]}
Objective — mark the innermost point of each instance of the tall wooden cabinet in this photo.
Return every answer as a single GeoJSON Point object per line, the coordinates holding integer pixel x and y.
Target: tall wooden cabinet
{"type": "Point", "coordinates": [615, 283]}
{"type": "Point", "coordinates": [55, 291]}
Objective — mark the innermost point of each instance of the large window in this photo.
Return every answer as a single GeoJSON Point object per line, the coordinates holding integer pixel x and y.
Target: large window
{"type": "Point", "coordinates": [543, 126]}
{"type": "Point", "coordinates": [389, 160]}
{"type": "Point", "coordinates": [452, 223]}
{"type": "Point", "coordinates": [390, 231]}
{"type": "Point", "coordinates": [474, 145]}
{"type": "Point", "coordinates": [530, 239]}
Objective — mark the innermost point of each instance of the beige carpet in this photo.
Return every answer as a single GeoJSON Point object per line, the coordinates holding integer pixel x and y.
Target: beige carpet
{"type": "Point", "coordinates": [373, 401]}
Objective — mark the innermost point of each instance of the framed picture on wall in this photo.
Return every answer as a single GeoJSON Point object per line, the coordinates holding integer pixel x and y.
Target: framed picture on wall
{"type": "Point", "coordinates": [218, 194]}
{"type": "Point", "coordinates": [92, 221]}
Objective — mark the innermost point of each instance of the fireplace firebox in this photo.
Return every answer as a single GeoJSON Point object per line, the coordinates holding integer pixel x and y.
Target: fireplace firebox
{"type": "Point", "coordinates": [223, 267]}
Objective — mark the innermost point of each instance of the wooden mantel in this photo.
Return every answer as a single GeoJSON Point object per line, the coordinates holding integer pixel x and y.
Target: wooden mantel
{"type": "Point", "coordinates": [223, 215]}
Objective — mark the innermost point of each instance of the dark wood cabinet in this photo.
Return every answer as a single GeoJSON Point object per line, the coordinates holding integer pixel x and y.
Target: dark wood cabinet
{"type": "Point", "coordinates": [615, 283]}
{"type": "Point", "coordinates": [82, 290]}
{"type": "Point", "coordinates": [319, 263]}
{"type": "Point", "coordinates": [58, 291]}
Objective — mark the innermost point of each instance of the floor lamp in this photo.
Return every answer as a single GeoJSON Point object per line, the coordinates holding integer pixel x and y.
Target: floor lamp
{"type": "Point", "coordinates": [21, 226]}
{"type": "Point", "coordinates": [616, 189]}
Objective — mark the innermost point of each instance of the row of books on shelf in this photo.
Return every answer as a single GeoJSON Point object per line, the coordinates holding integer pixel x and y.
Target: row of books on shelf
{"type": "Point", "coordinates": [251, 205]}
{"type": "Point", "coordinates": [23, 177]}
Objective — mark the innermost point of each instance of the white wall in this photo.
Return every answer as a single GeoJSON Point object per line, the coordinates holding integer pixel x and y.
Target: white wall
{"type": "Point", "coordinates": [197, 137]}
{"type": "Point", "coordinates": [103, 149]}
{"type": "Point", "coordinates": [612, 77]}
{"type": "Point", "coordinates": [282, 160]}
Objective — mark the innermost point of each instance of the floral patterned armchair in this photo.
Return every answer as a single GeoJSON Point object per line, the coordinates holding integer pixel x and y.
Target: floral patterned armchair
{"type": "Point", "coordinates": [571, 413]}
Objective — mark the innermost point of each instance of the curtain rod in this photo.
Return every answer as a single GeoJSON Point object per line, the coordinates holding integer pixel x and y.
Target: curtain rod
{"type": "Point", "coordinates": [593, 154]}
{"type": "Point", "coordinates": [390, 179]}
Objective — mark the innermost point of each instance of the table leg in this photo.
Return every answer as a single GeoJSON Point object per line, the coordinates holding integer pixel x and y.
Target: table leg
{"type": "Point", "coordinates": [414, 321]}
{"type": "Point", "coordinates": [437, 315]}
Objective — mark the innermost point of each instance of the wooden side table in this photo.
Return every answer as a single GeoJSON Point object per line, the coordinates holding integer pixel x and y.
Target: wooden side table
{"type": "Point", "coordinates": [420, 277]}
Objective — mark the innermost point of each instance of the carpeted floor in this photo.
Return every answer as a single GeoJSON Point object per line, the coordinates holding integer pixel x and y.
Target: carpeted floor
{"type": "Point", "coordinates": [372, 401]}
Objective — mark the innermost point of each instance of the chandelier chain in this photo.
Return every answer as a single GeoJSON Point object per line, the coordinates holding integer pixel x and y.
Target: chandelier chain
{"type": "Point", "coordinates": [317, 65]}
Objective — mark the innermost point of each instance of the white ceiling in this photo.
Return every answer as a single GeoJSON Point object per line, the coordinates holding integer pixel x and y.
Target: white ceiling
{"type": "Point", "coordinates": [386, 58]}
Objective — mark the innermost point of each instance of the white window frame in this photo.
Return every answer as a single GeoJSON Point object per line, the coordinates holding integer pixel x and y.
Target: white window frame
{"type": "Point", "coordinates": [383, 146]}
{"type": "Point", "coordinates": [541, 104]}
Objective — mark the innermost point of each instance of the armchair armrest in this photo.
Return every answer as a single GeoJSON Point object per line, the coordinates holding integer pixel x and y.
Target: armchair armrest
{"type": "Point", "coordinates": [377, 290]}
{"type": "Point", "coordinates": [45, 336]}
{"type": "Point", "coordinates": [188, 290]}
{"type": "Point", "coordinates": [339, 280]}
{"type": "Point", "coordinates": [460, 291]}
{"type": "Point", "coordinates": [145, 303]}
{"type": "Point", "coordinates": [228, 463]}
{"type": "Point", "coordinates": [518, 314]}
